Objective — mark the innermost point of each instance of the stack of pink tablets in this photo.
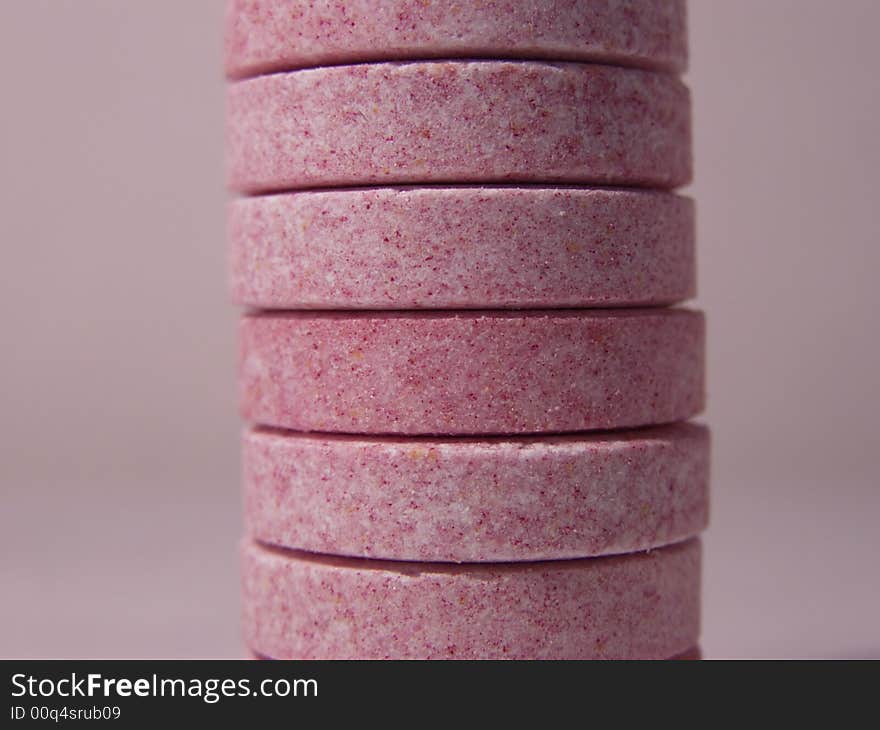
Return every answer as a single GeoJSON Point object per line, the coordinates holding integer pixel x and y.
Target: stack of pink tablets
{"type": "Point", "coordinates": [458, 246]}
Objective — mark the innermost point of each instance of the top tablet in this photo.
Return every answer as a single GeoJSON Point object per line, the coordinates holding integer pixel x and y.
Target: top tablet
{"type": "Point", "coordinates": [263, 36]}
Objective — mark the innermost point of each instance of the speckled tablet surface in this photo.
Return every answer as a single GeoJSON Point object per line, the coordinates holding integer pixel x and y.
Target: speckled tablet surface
{"type": "Point", "coordinates": [468, 500]}
{"type": "Point", "coordinates": [487, 372]}
{"type": "Point", "coordinates": [638, 606]}
{"type": "Point", "coordinates": [461, 247]}
{"type": "Point", "coordinates": [458, 121]}
{"type": "Point", "coordinates": [273, 35]}
{"type": "Point", "coordinates": [695, 653]}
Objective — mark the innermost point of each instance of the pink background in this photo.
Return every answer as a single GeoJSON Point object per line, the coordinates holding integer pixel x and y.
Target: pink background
{"type": "Point", "coordinates": [118, 440]}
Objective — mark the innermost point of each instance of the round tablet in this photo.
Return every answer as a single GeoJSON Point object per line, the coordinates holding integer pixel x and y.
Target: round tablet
{"type": "Point", "coordinates": [460, 500]}
{"type": "Point", "coordinates": [638, 606]}
{"type": "Point", "coordinates": [460, 122]}
{"type": "Point", "coordinates": [275, 35]}
{"type": "Point", "coordinates": [461, 248]}
{"type": "Point", "coordinates": [695, 653]}
{"type": "Point", "coordinates": [490, 372]}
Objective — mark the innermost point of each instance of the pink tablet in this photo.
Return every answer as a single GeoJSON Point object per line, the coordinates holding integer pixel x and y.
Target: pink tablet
{"type": "Point", "coordinates": [638, 606]}
{"type": "Point", "coordinates": [461, 248]}
{"type": "Point", "coordinates": [458, 122]}
{"type": "Point", "coordinates": [464, 500]}
{"type": "Point", "coordinates": [273, 35]}
{"type": "Point", "coordinates": [487, 372]}
{"type": "Point", "coordinates": [695, 653]}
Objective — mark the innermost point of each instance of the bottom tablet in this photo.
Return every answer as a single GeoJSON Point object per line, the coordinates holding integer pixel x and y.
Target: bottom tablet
{"type": "Point", "coordinates": [639, 606]}
{"type": "Point", "coordinates": [695, 653]}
